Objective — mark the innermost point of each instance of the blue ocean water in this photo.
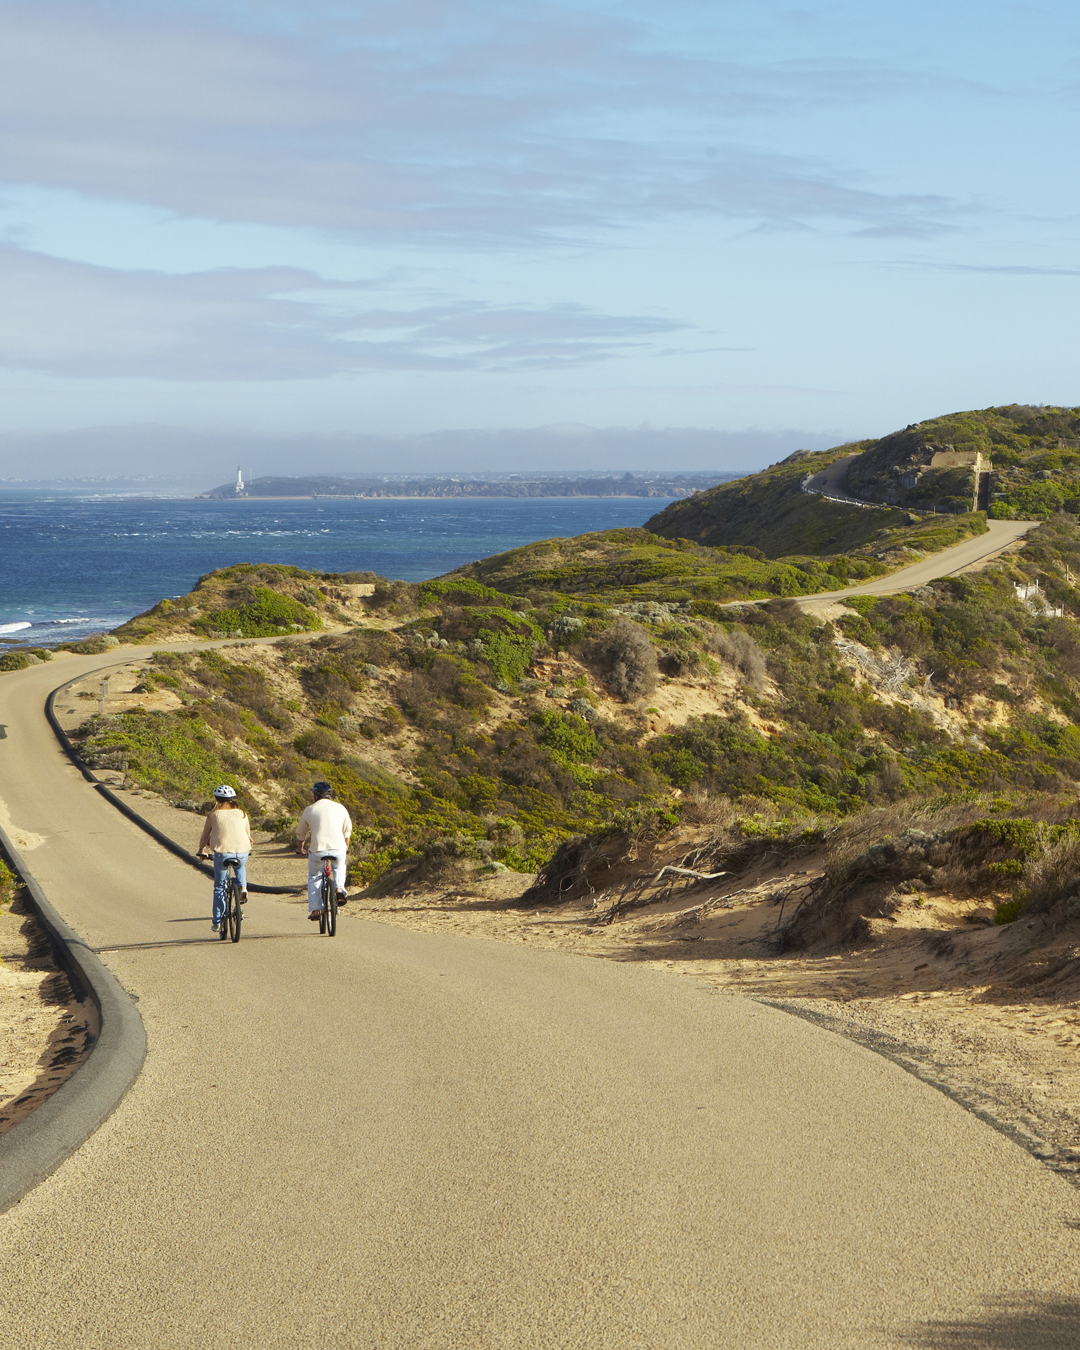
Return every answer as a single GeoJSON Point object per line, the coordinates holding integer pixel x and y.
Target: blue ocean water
{"type": "Point", "coordinates": [70, 567]}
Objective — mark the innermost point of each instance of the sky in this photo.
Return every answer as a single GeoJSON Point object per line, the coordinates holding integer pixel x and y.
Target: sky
{"type": "Point", "coordinates": [685, 234]}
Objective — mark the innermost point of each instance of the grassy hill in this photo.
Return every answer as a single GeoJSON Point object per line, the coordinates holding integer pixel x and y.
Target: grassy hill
{"type": "Point", "coordinates": [1036, 471]}
{"type": "Point", "coordinates": [576, 687]}
{"type": "Point", "coordinates": [471, 726]}
{"type": "Point", "coordinates": [253, 600]}
{"type": "Point", "coordinates": [1035, 453]}
{"type": "Point", "coordinates": [770, 511]}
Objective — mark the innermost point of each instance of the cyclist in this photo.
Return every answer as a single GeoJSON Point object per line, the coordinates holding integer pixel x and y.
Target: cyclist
{"type": "Point", "coordinates": [324, 827]}
{"type": "Point", "coordinates": [227, 831]}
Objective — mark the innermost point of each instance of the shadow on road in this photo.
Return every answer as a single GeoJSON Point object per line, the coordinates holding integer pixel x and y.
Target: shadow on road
{"type": "Point", "coordinates": [212, 939]}
{"type": "Point", "coordinates": [1017, 1323]}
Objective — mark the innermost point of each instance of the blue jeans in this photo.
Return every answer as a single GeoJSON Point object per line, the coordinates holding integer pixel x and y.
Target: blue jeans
{"type": "Point", "coordinates": [220, 859]}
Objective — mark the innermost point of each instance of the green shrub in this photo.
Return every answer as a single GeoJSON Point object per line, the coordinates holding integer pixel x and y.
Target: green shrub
{"type": "Point", "coordinates": [628, 659]}
{"type": "Point", "coordinates": [319, 743]}
{"type": "Point", "coordinates": [173, 755]}
{"type": "Point", "coordinates": [266, 613]}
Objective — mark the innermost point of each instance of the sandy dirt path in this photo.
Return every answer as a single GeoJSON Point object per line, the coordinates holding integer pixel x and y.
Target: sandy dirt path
{"type": "Point", "coordinates": [497, 1147]}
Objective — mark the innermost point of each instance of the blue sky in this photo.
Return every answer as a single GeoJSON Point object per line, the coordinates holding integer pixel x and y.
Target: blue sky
{"type": "Point", "coordinates": [327, 220]}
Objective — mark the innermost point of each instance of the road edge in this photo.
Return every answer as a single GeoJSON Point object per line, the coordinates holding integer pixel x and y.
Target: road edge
{"type": "Point", "coordinates": [159, 836]}
{"type": "Point", "coordinates": [34, 1148]}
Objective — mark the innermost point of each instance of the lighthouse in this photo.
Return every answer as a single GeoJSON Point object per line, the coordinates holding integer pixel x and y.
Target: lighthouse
{"type": "Point", "coordinates": [239, 482]}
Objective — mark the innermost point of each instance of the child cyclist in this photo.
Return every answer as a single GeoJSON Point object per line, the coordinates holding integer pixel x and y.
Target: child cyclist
{"type": "Point", "coordinates": [227, 831]}
{"type": "Point", "coordinates": [324, 828]}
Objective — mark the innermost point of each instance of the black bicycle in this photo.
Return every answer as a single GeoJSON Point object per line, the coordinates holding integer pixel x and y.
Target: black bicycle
{"type": "Point", "coordinates": [234, 914]}
{"type": "Point", "coordinates": [328, 896]}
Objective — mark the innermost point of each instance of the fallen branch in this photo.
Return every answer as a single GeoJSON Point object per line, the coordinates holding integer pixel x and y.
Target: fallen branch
{"type": "Point", "coordinates": [641, 891]}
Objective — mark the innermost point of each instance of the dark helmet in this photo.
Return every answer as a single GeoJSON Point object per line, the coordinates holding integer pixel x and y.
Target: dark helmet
{"type": "Point", "coordinates": [322, 790]}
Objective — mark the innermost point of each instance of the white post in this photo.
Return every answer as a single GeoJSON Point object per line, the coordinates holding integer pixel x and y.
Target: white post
{"type": "Point", "coordinates": [103, 694]}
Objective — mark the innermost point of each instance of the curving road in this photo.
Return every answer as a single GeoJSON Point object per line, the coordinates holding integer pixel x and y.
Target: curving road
{"type": "Point", "coordinates": [832, 480]}
{"type": "Point", "coordinates": [965, 557]}
{"type": "Point", "coordinates": [400, 1142]}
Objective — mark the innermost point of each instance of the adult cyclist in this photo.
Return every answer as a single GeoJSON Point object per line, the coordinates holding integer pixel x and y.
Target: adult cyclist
{"type": "Point", "coordinates": [324, 827]}
{"type": "Point", "coordinates": [227, 831]}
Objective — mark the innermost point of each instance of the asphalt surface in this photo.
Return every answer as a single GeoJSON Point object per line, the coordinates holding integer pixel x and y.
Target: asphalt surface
{"type": "Point", "coordinates": [970, 554]}
{"type": "Point", "coordinates": [832, 479]}
{"type": "Point", "coordinates": [390, 1139]}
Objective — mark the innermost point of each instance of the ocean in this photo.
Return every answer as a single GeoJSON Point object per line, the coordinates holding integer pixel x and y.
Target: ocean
{"type": "Point", "coordinates": [72, 566]}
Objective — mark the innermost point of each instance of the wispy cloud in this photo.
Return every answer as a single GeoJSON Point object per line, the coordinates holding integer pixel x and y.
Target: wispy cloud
{"type": "Point", "coordinates": [74, 319]}
{"type": "Point", "coordinates": [984, 269]}
{"type": "Point", "coordinates": [710, 390]}
{"type": "Point", "coordinates": [467, 119]}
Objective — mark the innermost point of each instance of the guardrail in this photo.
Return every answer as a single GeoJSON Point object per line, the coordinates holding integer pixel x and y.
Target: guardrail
{"type": "Point", "coordinates": [843, 501]}
{"type": "Point", "coordinates": [35, 1147]}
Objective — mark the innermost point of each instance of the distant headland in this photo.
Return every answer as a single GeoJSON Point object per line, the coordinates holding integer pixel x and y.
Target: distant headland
{"type": "Point", "coordinates": [643, 484]}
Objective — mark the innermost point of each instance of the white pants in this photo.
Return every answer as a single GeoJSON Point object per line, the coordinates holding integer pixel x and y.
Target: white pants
{"type": "Point", "coordinates": [314, 876]}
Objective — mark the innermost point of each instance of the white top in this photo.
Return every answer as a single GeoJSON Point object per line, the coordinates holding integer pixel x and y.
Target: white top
{"type": "Point", "coordinates": [328, 825]}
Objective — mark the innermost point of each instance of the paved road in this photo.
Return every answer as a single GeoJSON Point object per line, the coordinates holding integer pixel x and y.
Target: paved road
{"type": "Point", "coordinates": [403, 1142]}
{"type": "Point", "coordinates": [831, 481]}
{"type": "Point", "coordinates": [971, 554]}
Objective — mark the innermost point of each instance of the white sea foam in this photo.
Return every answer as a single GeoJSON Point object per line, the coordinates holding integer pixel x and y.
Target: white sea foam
{"type": "Point", "coordinates": [14, 627]}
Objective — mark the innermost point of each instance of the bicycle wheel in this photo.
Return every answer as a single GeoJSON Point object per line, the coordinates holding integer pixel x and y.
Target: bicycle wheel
{"type": "Point", "coordinates": [235, 912]}
{"type": "Point", "coordinates": [223, 931]}
{"type": "Point", "coordinates": [331, 906]}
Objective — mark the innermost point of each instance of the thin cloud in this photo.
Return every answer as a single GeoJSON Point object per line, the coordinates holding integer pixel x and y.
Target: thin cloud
{"type": "Point", "coordinates": [775, 390]}
{"type": "Point", "coordinates": [983, 269]}
{"type": "Point", "coordinates": [457, 119]}
{"type": "Point", "coordinates": [74, 319]}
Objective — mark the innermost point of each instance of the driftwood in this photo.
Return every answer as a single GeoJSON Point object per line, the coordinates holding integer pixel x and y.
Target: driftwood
{"type": "Point", "coordinates": [651, 890]}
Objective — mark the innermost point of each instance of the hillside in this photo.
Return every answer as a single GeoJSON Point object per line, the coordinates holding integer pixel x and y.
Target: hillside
{"type": "Point", "coordinates": [1035, 454]}
{"type": "Point", "coordinates": [254, 600]}
{"type": "Point", "coordinates": [462, 722]}
{"type": "Point", "coordinates": [771, 512]}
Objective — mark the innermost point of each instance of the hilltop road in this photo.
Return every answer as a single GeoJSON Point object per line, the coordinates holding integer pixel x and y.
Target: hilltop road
{"type": "Point", "coordinates": [396, 1141]}
{"type": "Point", "coordinates": [967, 556]}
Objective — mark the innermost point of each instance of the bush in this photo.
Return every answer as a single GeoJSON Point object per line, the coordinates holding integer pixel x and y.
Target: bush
{"type": "Point", "coordinates": [266, 613]}
{"type": "Point", "coordinates": [319, 743]}
{"type": "Point", "coordinates": [629, 660]}
{"type": "Point", "coordinates": [173, 756]}
{"type": "Point", "coordinates": [93, 645]}
{"type": "Point", "coordinates": [15, 661]}
{"type": "Point", "coordinates": [738, 649]}
{"type": "Point", "coordinates": [1051, 873]}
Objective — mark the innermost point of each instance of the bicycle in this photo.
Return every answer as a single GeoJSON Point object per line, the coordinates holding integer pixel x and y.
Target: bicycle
{"type": "Point", "coordinates": [234, 914]}
{"type": "Point", "coordinates": [328, 895]}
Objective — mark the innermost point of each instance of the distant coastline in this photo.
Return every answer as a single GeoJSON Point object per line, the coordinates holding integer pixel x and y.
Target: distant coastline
{"type": "Point", "coordinates": [470, 488]}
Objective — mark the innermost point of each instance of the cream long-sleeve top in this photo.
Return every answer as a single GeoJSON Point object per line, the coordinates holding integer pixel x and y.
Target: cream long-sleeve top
{"type": "Point", "coordinates": [327, 824]}
{"type": "Point", "coordinates": [226, 830]}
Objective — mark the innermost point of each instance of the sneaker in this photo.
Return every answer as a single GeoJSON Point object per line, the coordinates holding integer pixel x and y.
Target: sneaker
{"type": "Point", "coordinates": [315, 915]}
{"type": "Point", "coordinates": [243, 897]}
{"type": "Point", "coordinates": [215, 928]}
{"type": "Point", "coordinates": [342, 898]}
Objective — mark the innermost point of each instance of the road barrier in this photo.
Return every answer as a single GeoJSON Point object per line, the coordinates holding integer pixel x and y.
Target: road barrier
{"type": "Point", "coordinates": [35, 1147]}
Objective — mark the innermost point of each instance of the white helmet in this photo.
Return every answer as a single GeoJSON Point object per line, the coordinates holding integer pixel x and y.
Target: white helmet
{"type": "Point", "coordinates": [224, 792]}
